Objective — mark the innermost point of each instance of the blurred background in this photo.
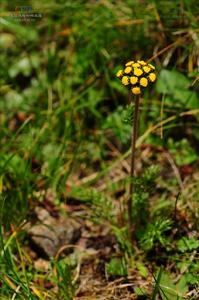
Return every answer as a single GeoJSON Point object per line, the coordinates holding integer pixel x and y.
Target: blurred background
{"type": "Point", "coordinates": [62, 107]}
{"type": "Point", "coordinates": [60, 99]}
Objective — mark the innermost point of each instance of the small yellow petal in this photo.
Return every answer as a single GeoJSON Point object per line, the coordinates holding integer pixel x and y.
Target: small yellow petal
{"type": "Point", "coordinates": [136, 90]}
{"type": "Point", "coordinates": [152, 77]}
{"type": "Point", "coordinates": [125, 80]}
{"type": "Point", "coordinates": [146, 69]}
{"type": "Point", "coordinates": [143, 82]}
{"type": "Point", "coordinates": [128, 70]}
{"type": "Point", "coordinates": [119, 73]}
{"type": "Point", "coordinates": [136, 65]}
{"type": "Point", "coordinates": [129, 63]}
{"type": "Point", "coordinates": [133, 80]}
{"type": "Point", "coordinates": [138, 72]}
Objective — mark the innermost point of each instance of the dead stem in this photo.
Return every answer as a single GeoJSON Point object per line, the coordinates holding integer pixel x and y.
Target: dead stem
{"type": "Point", "coordinates": [132, 171]}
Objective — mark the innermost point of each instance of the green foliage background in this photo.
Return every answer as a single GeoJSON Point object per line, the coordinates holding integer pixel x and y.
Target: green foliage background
{"type": "Point", "coordinates": [60, 69]}
{"type": "Point", "coordinates": [61, 104]}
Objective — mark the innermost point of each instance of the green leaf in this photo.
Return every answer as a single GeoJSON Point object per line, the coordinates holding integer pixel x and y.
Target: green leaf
{"type": "Point", "coordinates": [169, 291]}
{"type": "Point", "coordinates": [139, 291]}
{"type": "Point", "coordinates": [116, 267]}
{"type": "Point", "coordinates": [192, 278]}
{"type": "Point", "coordinates": [182, 285]}
{"type": "Point", "coordinates": [187, 98]}
{"type": "Point", "coordinates": [187, 244]}
{"type": "Point", "coordinates": [176, 86]}
{"type": "Point", "coordinates": [142, 269]}
{"type": "Point", "coordinates": [169, 81]}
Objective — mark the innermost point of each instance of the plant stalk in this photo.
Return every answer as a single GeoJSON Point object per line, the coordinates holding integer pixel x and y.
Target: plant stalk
{"type": "Point", "coordinates": [132, 170]}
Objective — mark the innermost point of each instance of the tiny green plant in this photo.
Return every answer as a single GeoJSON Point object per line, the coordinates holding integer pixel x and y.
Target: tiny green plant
{"type": "Point", "coordinates": [135, 76]}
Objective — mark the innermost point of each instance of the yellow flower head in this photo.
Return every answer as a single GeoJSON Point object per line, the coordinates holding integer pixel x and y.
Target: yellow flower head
{"type": "Point", "coordinates": [125, 80]}
{"type": "Point", "coordinates": [152, 77]}
{"type": "Point", "coordinates": [146, 69]}
{"type": "Point", "coordinates": [119, 73]}
{"type": "Point", "coordinates": [138, 71]}
{"type": "Point", "coordinates": [136, 65]}
{"type": "Point", "coordinates": [137, 75]}
{"type": "Point", "coordinates": [142, 62]}
{"type": "Point", "coordinates": [143, 82]}
{"type": "Point", "coordinates": [129, 63]}
{"type": "Point", "coordinates": [152, 66]}
{"type": "Point", "coordinates": [136, 90]}
{"type": "Point", "coordinates": [127, 70]}
{"type": "Point", "coordinates": [133, 80]}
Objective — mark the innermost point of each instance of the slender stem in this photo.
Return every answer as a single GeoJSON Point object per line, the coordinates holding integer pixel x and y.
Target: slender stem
{"type": "Point", "coordinates": [132, 171]}
{"type": "Point", "coordinates": [175, 209]}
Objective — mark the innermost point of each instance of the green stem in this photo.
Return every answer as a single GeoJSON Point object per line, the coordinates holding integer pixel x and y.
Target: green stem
{"type": "Point", "coordinates": [132, 171]}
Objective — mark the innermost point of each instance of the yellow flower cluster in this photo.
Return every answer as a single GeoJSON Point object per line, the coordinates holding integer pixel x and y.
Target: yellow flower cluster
{"type": "Point", "coordinates": [137, 75]}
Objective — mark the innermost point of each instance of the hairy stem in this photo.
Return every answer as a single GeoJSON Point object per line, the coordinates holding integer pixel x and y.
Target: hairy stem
{"type": "Point", "coordinates": [132, 171]}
